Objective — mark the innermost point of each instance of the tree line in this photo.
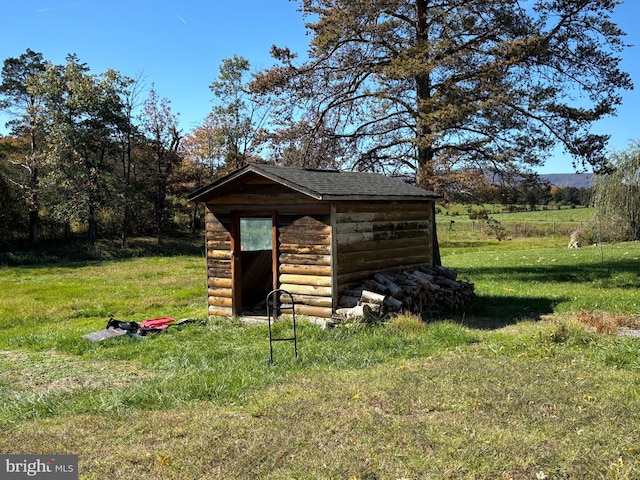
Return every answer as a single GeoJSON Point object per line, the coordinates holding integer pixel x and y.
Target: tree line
{"type": "Point", "coordinates": [526, 196]}
{"type": "Point", "coordinates": [436, 91]}
{"type": "Point", "coordinates": [85, 150]}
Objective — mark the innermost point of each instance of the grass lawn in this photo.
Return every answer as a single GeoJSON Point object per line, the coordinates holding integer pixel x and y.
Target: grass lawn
{"type": "Point", "coordinates": [518, 388]}
{"type": "Point", "coordinates": [541, 214]}
{"type": "Point", "coordinates": [526, 279]}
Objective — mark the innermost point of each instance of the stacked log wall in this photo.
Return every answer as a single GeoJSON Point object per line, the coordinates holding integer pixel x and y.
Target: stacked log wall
{"type": "Point", "coordinates": [381, 236]}
{"type": "Point", "coordinates": [304, 244]}
{"type": "Point", "coordinates": [219, 283]}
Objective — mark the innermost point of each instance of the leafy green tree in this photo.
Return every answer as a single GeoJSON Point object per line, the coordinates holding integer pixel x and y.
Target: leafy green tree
{"type": "Point", "coordinates": [414, 85]}
{"type": "Point", "coordinates": [82, 115]}
{"type": "Point", "coordinates": [127, 185]}
{"type": "Point", "coordinates": [617, 197]}
{"type": "Point", "coordinates": [25, 108]}
{"type": "Point", "coordinates": [160, 127]}
{"type": "Point", "coordinates": [12, 209]}
{"type": "Point", "coordinates": [237, 116]}
{"type": "Point", "coordinates": [571, 196]}
{"type": "Point", "coordinates": [534, 191]}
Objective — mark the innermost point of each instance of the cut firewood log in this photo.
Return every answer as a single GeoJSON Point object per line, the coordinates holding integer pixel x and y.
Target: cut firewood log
{"type": "Point", "coordinates": [424, 277]}
{"type": "Point", "coordinates": [372, 297]}
{"type": "Point", "coordinates": [375, 286]}
{"type": "Point", "coordinates": [393, 303]}
{"type": "Point", "coordinates": [347, 301]}
{"type": "Point", "coordinates": [446, 272]}
{"type": "Point", "coordinates": [445, 282]}
{"type": "Point", "coordinates": [393, 289]}
{"type": "Point", "coordinates": [357, 311]}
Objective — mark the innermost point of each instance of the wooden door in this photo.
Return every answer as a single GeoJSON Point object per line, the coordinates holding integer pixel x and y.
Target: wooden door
{"type": "Point", "coordinates": [254, 261]}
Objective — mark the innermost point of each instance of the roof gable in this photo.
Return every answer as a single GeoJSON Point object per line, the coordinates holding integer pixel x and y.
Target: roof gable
{"type": "Point", "coordinates": [321, 184]}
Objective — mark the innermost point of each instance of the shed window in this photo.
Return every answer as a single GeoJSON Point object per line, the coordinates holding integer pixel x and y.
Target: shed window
{"type": "Point", "coordinates": [255, 234]}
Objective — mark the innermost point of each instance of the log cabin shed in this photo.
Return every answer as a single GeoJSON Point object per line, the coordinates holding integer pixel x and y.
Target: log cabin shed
{"type": "Point", "coordinates": [313, 233]}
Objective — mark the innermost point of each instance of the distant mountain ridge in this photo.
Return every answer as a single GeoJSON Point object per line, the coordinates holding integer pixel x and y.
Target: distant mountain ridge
{"type": "Point", "coordinates": [562, 180]}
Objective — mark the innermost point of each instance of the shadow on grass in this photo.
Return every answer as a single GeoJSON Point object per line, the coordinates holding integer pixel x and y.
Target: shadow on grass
{"type": "Point", "coordinates": [573, 274]}
{"type": "Point", "coordinates": [77, 251]}
{"type": "Point", "coordinates": [496, 311]}
{"type": "Point", "coordinates": [493, 312]}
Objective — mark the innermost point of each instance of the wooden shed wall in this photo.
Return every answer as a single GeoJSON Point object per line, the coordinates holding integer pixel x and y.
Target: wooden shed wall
{"type": "Point", "coordinates": [303, 245]}
{"type": "Point", "coordinates": [376, 236]}
{"type": "Point", "coordinates": [219, 283]}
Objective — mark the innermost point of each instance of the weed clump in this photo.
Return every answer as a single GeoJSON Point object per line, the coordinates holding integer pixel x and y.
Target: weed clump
{"type": "Point", "coordinates": [407, 323]}
{"type": "Point", "coordinates": [564, 333]}
{"type": "Point", "coordinates": [603, 322]}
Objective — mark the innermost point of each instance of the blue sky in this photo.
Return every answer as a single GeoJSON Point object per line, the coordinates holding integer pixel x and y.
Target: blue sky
{"type": "Point", "coordinates": [178, 46]}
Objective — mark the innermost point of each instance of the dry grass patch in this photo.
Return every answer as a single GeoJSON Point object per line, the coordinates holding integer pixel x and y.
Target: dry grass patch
{"type": "Point", "coordinates": [45, 384]}
{"type": "Point", "coordinates": [462, 414]}
{"type": "Point", "coordinates": [50, 372]}
{"type": "Point", "coordinates": [605, 322]}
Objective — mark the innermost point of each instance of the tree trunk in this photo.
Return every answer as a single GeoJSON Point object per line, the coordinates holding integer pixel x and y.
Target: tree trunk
{"type": "Point", "coordinates": [34, 238]}
{"type": "Point", "coordinates": [34, 210]}
{"type": "Point", "coordinates": [161, 196]}
{"type": "Point", "coordinates": [425, 168]}
{"type": "Point", "coordinates": [93, 227]}
{"type": "Point", "coordinates": [126, 222]}
{"type": "Point", "coordinates": [194, 219]}
{"type": "Point", "coordinates": [126, 175]}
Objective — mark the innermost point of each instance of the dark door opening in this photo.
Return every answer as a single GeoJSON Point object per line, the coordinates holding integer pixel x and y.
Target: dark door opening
{"type": "Point", "coordinates": [256, 263]}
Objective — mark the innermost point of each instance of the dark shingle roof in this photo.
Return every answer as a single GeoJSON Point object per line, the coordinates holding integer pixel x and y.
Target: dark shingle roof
{"type": "Point", "coordinates": [325, 184]}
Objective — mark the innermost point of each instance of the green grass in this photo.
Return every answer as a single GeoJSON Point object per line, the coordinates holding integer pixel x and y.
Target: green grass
{"type": "Point", "coordinates": [512, 403]}
{"type": "Point", "coordinates": [568, 215]}
{"type": "Point", "coordinates": [550, 226]}
{"type": "Point", "coordinates": [516, 388]}
{"type": "Point", "coordinates": [519, 282]}
{"type": "Point", "coordinates": [42, 305]}
{"type": "Point", "coordinates": [541, 214]}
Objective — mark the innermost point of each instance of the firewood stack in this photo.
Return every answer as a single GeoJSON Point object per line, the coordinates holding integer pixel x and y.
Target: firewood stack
{"type": "Point", "coordinates": [422, 290]}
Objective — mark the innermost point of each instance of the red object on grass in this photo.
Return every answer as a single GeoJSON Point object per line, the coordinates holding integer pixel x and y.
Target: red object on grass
{"type": "Point", "coordinates": [157, 323]}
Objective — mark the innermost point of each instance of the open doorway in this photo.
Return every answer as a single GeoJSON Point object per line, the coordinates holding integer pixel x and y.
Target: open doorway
{"type": "Point", "coordinates": [256, 263]}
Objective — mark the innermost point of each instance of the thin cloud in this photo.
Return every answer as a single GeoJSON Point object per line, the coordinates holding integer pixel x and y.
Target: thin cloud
{"type": "Point", "coordinates": [59, 7]}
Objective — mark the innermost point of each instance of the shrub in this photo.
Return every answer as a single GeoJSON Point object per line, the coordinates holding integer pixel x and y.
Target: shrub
{"type": "Point", "coordinates": [478, 215]}
{"type": "Point", "coordinates": [495, 229]}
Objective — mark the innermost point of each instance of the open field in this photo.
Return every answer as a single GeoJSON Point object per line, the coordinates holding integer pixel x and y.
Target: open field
{"type": "Point", "coordinates": [547, 226]}
{"type": "Point", "coordinates": [518, 388]}
{"type": "Point", "coordinates": [541, 214]}
{"type": "Point", "coordinates": [517, 281]}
